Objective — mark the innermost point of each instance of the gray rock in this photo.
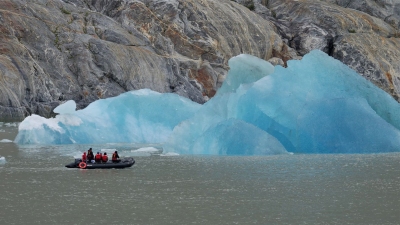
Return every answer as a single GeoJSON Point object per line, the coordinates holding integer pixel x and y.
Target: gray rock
{"type": "Point", "coordinates": [52, 51]}
{"type": "Point", "coordinates": [387, 10]}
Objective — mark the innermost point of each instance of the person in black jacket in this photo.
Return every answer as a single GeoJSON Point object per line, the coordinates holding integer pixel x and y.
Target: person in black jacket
{"type": "Point", "coordinates": [90, 155]}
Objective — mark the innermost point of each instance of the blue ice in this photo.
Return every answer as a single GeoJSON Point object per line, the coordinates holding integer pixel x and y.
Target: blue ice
{"type": "Point", "coordinates": [315, 105]}
{"type": "Point", "coordinates": [142, 116]}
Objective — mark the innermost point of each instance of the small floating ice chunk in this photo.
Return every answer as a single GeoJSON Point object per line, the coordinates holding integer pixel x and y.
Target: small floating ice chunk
{"type": "Point", "coordinates": [11, 124]}
{"type": "Point", "coordinates": [5, 141]}
{"type": "Point", "coordinates": [77, 155]}
{"type": "Point", "coordinates": [108, 150]}
{"type": "Point", "coordinates": [66, 107]}
{"type": "Point", "coordinates": [170, 154]}
{"type": "Point", "coordinates": [146, 149]}
{"type": "Point", "coordinates": [140, 154]}
{"type": "Point", "coordinates": [2, 160]}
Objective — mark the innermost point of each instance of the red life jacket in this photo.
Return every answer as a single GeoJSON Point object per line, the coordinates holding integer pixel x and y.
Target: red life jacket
{"type": "Point", "coordinates": [84, 157]}
{"type": "Point", "coordinates": [105, 158]}
{"type": "Point", "coordinates": [114, 156]}
{"type": "Point", "coordinates": [97, 157]}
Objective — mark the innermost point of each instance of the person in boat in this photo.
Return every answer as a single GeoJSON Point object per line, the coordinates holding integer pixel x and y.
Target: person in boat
{"type": "Point", "coordinates": [115, 157]}
{"type": "Point", "coordinates": [84, 157]}
{"type": "Point", "coordinates": [90, 155]}
{"type": "Point", "coordinates": [104, 158]}
{"type": "Point", "coordinates": [97, 158]}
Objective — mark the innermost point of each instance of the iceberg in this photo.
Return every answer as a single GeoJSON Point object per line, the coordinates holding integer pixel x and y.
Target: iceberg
{"type": "Point", "coordinates": [315, 105]}
{"type": "Point", "coordinates": [142, 116]}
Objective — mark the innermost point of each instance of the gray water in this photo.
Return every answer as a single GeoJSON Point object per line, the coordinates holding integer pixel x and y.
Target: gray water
{"type": "Point", "coordinates": [36, 188]}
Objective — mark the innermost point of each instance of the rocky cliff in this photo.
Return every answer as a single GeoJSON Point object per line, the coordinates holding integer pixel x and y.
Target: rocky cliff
{"type": "Point", "coordinates": [52, 50]}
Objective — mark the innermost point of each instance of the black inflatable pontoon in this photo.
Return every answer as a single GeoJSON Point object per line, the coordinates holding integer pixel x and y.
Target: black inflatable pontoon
{"type": "Point", "coordinates": [125, 162]}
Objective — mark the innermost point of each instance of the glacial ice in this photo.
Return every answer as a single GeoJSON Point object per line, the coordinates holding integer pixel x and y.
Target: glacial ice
{"type": "Point", "coordinates": [66, 107]}
{"type": "Point", "coordinates": [145, 151]}
{"type": "Point", "coordinates": [247, 69]}
{"type": "Point", "coordinates": [315, 105]}
{"type": "Point", "coordinates": [141, 116]}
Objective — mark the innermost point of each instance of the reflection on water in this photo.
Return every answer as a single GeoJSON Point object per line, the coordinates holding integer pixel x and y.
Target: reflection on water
{"type": "Point", "coordinates": [36, 188]}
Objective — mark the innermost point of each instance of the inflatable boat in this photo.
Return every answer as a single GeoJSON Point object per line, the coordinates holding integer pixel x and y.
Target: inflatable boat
{"type": "Point", "coordinates": [125, 162]}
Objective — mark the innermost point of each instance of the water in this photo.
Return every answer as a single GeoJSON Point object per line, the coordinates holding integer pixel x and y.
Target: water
{"type": "Point", "coordinates": [36, 188]}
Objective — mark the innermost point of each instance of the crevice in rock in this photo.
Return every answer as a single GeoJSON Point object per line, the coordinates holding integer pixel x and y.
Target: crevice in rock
{"type": "Point", "coordinates": [331, 46]}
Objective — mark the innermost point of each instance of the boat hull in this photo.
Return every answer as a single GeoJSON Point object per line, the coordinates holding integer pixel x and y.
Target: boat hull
{"type": "Point", "coordinates": [124, 163]}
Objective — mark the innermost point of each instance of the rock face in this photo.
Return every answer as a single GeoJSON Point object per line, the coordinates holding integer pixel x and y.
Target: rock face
{"type": "Point", "coordinates": [387, 10]}
{"type": "Point", "coordinates": [53, 51]}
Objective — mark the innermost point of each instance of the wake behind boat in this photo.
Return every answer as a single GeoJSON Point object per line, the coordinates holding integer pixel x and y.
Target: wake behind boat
{"type": "Point", "coordinates": [125, 162]}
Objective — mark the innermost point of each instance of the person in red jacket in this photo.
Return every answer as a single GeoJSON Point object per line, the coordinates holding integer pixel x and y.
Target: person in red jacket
{"type": "Point", "coordinates": [97, 158]}
{"type": "Point", "coordinates": [84, 158]}
{"type": "Point", "coordinates": [115, 157]}
{"type": "Point", "coordinates": [105, 157]}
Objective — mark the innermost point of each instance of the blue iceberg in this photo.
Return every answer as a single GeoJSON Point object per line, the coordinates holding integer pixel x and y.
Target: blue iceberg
{"type": "Point", "coordinates": [142, 116]}
{"type": "Point", "coordinates": [315, 105]}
